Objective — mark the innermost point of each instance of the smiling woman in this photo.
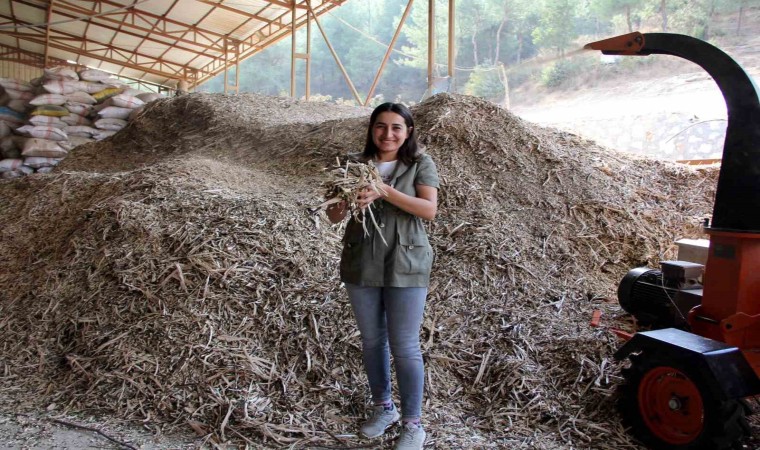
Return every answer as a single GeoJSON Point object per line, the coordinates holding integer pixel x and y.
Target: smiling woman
{"type": "Point", "coordinates": [386, 269]}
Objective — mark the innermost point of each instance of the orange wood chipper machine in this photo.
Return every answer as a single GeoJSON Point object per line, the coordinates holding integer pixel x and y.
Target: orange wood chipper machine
{"type": "Point", "coordinates": [689, 378]}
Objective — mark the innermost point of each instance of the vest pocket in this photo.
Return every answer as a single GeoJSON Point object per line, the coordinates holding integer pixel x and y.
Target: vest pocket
{"type": "Point", "coordinates": [350, 258]}
{"type": "Point", "coordinates": [414, 255]}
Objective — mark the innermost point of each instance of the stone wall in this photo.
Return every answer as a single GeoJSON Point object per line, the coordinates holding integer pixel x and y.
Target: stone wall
{"type": "Point", "coordinates": [665, 135]}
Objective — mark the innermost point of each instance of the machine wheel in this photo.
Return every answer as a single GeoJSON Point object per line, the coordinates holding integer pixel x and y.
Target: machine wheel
{"type": "Point", "coordinates": [667, 405]}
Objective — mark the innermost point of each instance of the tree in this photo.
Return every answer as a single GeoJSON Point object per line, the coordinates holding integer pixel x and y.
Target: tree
{"type": "Point", "coordinates": [415, 33]}
{"type": "Point", "coordinates": [610, 8]}
{"type": "Point", "coordinates": [485, 82]}
{"type": "Point", "coordinates": [518, 19]}
{"type": "Point", "coordinates": [556, 28]}
{"type": "Point", "coordinates": [664, 15]}
{"type": "Point", "coordinates": [478, 16]}
{"type": "Point", "coordinates": [695, 16]}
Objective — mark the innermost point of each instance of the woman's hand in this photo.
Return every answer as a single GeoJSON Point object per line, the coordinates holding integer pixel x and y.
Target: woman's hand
{"type": "Point", "coordinates": [368, 195]}
{"type": "Point", "coordinates": [423, 205]}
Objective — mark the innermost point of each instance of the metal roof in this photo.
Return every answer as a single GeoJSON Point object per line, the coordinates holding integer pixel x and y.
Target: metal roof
{"type": "Point", "coordinates": [158, 41]}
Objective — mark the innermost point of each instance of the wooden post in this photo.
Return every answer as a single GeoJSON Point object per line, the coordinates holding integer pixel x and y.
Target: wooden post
{"type": "Point", "coordinates": [505, 82]}
{"type": "Point", "coordinates": [293, 49]}
{"type": "Point", "coordinates": [295, 55]}
{"type": "Point", "coordinates": [47, 34]}
{"type": "Point", "coordinates": [431, 45]}
{"type": "Point", "coordinates": [236, 49]}
{"type": "Point", "coordinates": [388, 52]}
{"type": "Point", "coordinates": [335, 56]}
{"type": "Point", "coordinates": [452, 45]}
{"type": "Point", "coordinates": [237, 67]}
{"type": "Point", "coordinates": [308, 51]}
{"type": "Point", "coordinates": [226, 65]}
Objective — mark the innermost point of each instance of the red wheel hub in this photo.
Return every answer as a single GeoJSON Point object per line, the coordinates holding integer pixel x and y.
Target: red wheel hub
{"type": "Point", "coordinates": [671, 405]}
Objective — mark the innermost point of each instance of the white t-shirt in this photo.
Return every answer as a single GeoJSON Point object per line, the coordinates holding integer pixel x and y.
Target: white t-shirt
{"type": "Point", "coordinates": [386, 170]}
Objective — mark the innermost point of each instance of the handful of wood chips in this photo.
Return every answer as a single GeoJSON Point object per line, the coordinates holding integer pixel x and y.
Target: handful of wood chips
{"type": "Point", "coordinates": [346, 181]}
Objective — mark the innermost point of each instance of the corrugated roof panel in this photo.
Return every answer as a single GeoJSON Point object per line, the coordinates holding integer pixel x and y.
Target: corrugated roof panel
{"type": "Point", "coordinates": [204, 41]}
{"type": "Point", "coordinates": [248, 6]}
{"type": "Point", "coordinates": [101, 6]}
{"type": "Point", "coordinates": [154, 49]}
{"type": "Point", "coordinates": [28, 13]}
{"type": "Point", "coordinates": [73, 28]}
{"type": "Point", "coordinates": [181, 57]}
{"type": "Point", "coordinates": [29, 46]}
{"type": "Point", "coordinates": [108, 67]}
{"type": "Point", "coordinates": [129, 41]}
{"type": "Point", "coordinates": [247, 29]}
{"type": "Point", "coordinates": [66, 56]}
{"type": "Point", "coordinates": [189, 11]}
{"type": "Point", "coordinates": [224, 21]}
{"type": "Point", "coordinates": [99, 34]}
{"type": "Point", "coordinates": [273, 11]}
{"type": "Point", "coordinates": [158, 8]}
{"type": "Point", "coordinates": [7, 40]}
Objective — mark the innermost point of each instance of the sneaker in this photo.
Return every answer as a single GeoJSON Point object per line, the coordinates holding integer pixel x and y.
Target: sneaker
{"type": "Point", "coordinates": [412, 437]}
{"type": "Point", "coordinates": [381, 419]}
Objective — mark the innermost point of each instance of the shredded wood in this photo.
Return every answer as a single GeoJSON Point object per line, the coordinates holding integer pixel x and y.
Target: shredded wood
{"type": "Point", "coordinates": [175, 275]}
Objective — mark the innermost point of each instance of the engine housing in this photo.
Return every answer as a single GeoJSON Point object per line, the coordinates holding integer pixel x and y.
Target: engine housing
{"type": "Point", "coordinates": [662, 298]}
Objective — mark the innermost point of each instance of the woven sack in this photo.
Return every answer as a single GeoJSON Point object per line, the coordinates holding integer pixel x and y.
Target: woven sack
{"type": "Point", "coordinates": [47, 120]}
{"type": "Point", "coordinates": [126, 101]}
{"type": "Point", "coordinates": [9, 164]}
{"type": "Point", "coordinates": [38, 161]}
{"type": "Point", "coordinates": [48, 99]}
{"type": "Point", "coordinates": [50, 110]}
{"type": "Point", "coordinates": [110, 124]}
{"type": "Point", "coordinates": [43, 148]}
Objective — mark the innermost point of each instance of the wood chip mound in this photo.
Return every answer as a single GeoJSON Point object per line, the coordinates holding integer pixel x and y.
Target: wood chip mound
{"type": "Point", "coordinates": [176, 274]}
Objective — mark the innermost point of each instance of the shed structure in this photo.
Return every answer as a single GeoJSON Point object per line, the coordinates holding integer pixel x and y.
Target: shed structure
{"type": "Point", "coordinates": [161, 42]}
{"type": "Point", "coordinates": [172, 44]}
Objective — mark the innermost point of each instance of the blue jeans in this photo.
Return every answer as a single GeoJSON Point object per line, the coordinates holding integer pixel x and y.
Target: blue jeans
{"type": "Point", "coordinates": [391, 315]}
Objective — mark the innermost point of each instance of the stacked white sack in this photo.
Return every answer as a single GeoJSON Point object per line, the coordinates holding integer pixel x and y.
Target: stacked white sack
{"type": "Point", "coordinates": [65, 109]}
{"type": "Point", "coordinates": [14, 101]}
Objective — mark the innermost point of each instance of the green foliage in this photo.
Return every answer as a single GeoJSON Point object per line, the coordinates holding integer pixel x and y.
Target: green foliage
{"type": "Point", "coordinates": [556, 28]}
{"type": "Point", "coordinates": [560, 72]}
{"type": "Point", "coordinates": [415, 33]}
{"type": "Point", "coordinates": [555, 73]}
{"type": "Point", "coordinates": [488, 33]}
{"type": "Point", "coordinates": [484, 82]}
{"type": "Point", "coordinates": [520, 75]}
{"type": "Point", "coordinates": [695, 16]}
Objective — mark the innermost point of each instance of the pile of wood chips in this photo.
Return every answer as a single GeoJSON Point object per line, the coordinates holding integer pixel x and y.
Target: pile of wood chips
{"type": "Point", "coordinates": [174, 274]}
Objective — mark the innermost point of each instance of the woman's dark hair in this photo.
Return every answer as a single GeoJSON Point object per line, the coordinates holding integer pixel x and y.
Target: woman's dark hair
{"type": "Point", "coordinates": [409, 151]}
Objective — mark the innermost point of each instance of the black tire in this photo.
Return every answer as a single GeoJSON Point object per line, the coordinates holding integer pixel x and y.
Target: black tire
{"type": "Point", "coordinates": [668, 406]}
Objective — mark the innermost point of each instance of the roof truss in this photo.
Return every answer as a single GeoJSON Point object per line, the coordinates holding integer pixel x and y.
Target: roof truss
{"type": "Point", "coordinates": [159, 41]}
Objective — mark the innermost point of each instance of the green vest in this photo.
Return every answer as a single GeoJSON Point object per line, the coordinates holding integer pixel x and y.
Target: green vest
{"type": "Point", "coordinates": [407, 258]}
